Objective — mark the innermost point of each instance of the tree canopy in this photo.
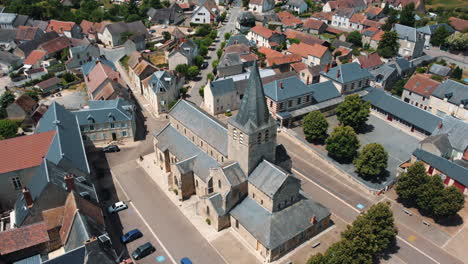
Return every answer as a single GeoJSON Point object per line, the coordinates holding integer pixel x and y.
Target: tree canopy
{"type": "Point", "coordinates": [315, 126]}
{"type": "Point", "coordinates": [8, 128]}
{"type": "Point", "coordinates": [388, 45]}
{"type": "Point", "coordinates": [440, 36]}
{"type": "Point", "coordinates": [355, 37]}
{"type": "Point", "coordinates": [371, 161]}
{"type": "Point", "coordinates": [342, 144]}
{"type": "Point", "coordinates": [353, 112]}
{"type": "Point", "coordinates": [407, 15]}
{"type": "Point", "coordinates": [458, 41]}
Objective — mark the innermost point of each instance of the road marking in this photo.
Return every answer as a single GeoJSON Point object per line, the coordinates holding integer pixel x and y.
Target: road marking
{"type": "Point", "coordinates": [412, 238]}
{"type": "Point", "coordinates": [144, 221]}
{"type": "Point", "coordinates": [417, 249]}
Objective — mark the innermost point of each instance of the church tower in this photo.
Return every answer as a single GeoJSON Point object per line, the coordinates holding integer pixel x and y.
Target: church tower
{"type": "Point", "coordinates": [252, 132]}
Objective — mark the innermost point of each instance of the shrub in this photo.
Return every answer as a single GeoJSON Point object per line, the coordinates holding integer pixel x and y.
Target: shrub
{"type": "Point", "coordinates": [208, 221]}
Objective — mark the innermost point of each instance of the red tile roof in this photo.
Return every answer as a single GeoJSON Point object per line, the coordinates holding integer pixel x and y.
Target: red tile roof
{"type": "Point", "coordinates": [60, 26]}
{"type": "Point", "coordinates": [284, 59]}
{"type": "Point", "coordinates": [370, 61]}
{"type": "Point", "coordinates": [237, 48]}
{"type": "Point", "coordinates": [313, 23]}
{"type": "Point", "coordinates": [53, 217]}
{"type": "Point", "coordinates": [262, 31]}
{"type": "Point", "coordinates": [24, 152]}
{"type": "Point", "coordinates": [303, 37]}
{"type": "Point", "coordinates": [56, 45]}
{"type": "Point", "coordinates": [344, 51]}
{"type": "Point", "coordinates": [374, 10]}
{"type": "Point", "coordinates": [304, 50]}
{"type": "Point", "coordinates": [288, 19]}
{"type": "Point", "coordinates": [99, 74]}
{"type": "Point", "coordinates": [269, 53]}
{"type": "Point", "coordinates": [458, 23]}
{"type": "Point", "coordinates": [26, 32]}
{"type": "Point", "coordinates": [334, 31]}
{"type": "Point", "coordinates": [34, 57]}
{"type": "Point", "coordinates": [422, 84]}
{"type": "Point", "coordinates": [48, 83]}
{"type": "Point", "coordinates": [25, 102]}
{"type": "Point", "coordinates": [299, 66]}
{"type": "Point", "coordinates": [378, 35]}
{"type": "Point", "coordinates": [87, 26]}
{"type": "Point", "coordinates": [249, 57]}
{"type": "Point", "coordinates": [24, 237]}
{"type": "Point", "coordinates": [371, 23]}
{"type": "Point", "coordinates": [323, 15]}
{"type": "Point", "coordinates": [357, 18]}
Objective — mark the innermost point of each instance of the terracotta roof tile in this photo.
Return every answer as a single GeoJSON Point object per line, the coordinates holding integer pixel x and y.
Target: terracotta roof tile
{"type": "Point", "coordinates": [304, 50]}
{"type": "Point", "coordinates": [303, 37]}
{"type": "Point", "coordinates": [374, 10]}
{"type": "Point", "coordinates": [344, 51]}
{"type": "Point", "coordinates": [371, 23]}
{"type": "Point", "coordinates": [34, 57]}
{"type": "Point", "coordinates": [299, 66]}
{"type": "Point", "coordinates": [24, 152]}
{"type": "Point", "coordinates": [237, 48]}
{"type": "Point", "coordinates": [26, 33]}
{"type": "Point", "coordinates": [60, 26]}
{"type": "Point", "coordinates": [378, 35]}
{"type": "Point", "coordinates": [269, 53]}
{"type": "Point", "coordinates": [284, 59]}
{"type": "Point", "coordinates": [458, 23]}
{"type": "Point", "coordinates": [334, 30]}
{"type": "Point", "coordinates": [87, 27]}
{"type": "Point", "coordinates": [53, 217]}
{"type": "Point", "coordinates": [313, 23]}
{"type": "Point", "coordinates": [323, 15]}
{"type": "Point", "coordinates": [422, 84]}
{"type": "Point", "coordinates": [262, 31]}
{"type": "Point", "coordinates": [370, 61]}
{"type": "Point", "coordinates": [357, 18]}
{"type": "Point", "coordinates": [24, 237]}
{"type": "Point", "coordinates": [99, 74]}
{"type": "Point", "coordinates": [249, 57]}
{"type": "Point", "coordinates": [55, 45]}
{"type": "Point", "coordinates": [48, 83]}
{"type": "Point", "coordinates": [288, 19]}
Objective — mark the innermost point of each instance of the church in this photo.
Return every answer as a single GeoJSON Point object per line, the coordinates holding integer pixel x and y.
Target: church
{"type": "Point", "coordinates": [233, 171]}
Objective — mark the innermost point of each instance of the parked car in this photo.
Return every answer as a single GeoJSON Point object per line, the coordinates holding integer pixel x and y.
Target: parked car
{"type": "Point", "coordinates": [152, 31]}
{"type": "Point", "coordinates": [111, 148]}
{"type": "Point", "coordinates": [185, 261]}
{"type": "Point", "coordinates": [204, 65]}
{"type": "Point", "coordinates": [131, 236]}
{"type": "Point", "coordinates": [117, 207]}
{"type": "Point", "coordinates": [143, 251]}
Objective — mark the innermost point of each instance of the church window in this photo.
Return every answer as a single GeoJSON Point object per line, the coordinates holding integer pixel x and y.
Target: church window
{"type": "Point", "coordinates": [222, 159]}
{"type": "Point", "coordinates": [234, 134]}
{"type": "Point", "coordinates": [196, 183]}
{"type": "Point", "coordinates": [241, 138]}
{"type": "Point", "coordinates": [208, 210]}
{"type": "Point", "coordinates": [266, 136]}
{"type": "Point", "coordinates": [261, 202]}
{"type": "Point", "coordinates": [259, 138]}
{"type": "Point", "coordinates": [185, 131]}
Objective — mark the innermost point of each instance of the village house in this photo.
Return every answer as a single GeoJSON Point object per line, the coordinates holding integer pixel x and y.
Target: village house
{"type": "Point", "coordinates": [314, 26]}
{"type": "Point", "coordinates": [374, 12]}
{"type": "Point", "coordinates": [312, 55]}
{"type": "Point", "coordinates": [261, 6]}
{"type": "Point", "coordinates": [450, 98]}
{"type": "Point", "coordinates": [7, 39]}
{"type": "Point", "coordinates": [24, 49]}
{"type": "Point", "coordinates": [162, 89]}
{"type": "Point", "coordinates": [173, 15]}
{"type": "Point", "coordinates": [458, 24]}
{"type": "Point", "coordinates": [411, 41]}
{"type": "Point", "coordinates": [341, 17]}
{"type": "Point", "coordinates": [347, 78]}
{"type": "Point", "coordinates": [298, 6]}
{"type": "Point", "coordinates": [139, 72]}
{"type": "Point", "coordinates": [104, 82]}
{"type": "Point", "coordinates": [205, 12]}
{"type": "Point", "coordinates": [429, 30]}
{"type": "Point", "coordinates": [220, 96]}
{"type": "Point", "coordinates": [8, 62]}
{"type": "Point", "coordinates": [80, 55]}
{"type": "Point", "coordinates": [417, 91]}
{"type": "Point", "coordinates": [65, 28]}
{"type": "Point", "coordinates": [372, 37]}
{"type": "Point", "coordinates": [50, 85]}
{"type": "Point", "coordinates": [264, 37]}
{"type": "Point", "coordinates": [356, 5]}
{"type": "Point", "coordinates": [105, 121]}
{"type": "Point", "coordinates": [22, 108]}
{"type": "Point", "coordinates": [288, 20]}
{"type": "Point", "coordinates": [384, 77]}
{"type": "Point", "coordinates": [27, 33]}
{"type": "Point", "coordinates": [308, 74]}
{"type": "Point", "coordinates": [326, 17]}
{"type": "Point", "coordinates": [91, 29]}
{"type": "Point", "coordinates": [117, 33]}
{"type": "Point", "coordinates": [371, 61]}
{"type": "Point", "coordinates": [185, 53]}
{"type": "Point", "coordinates": [399, 4]}
{"type": "Point", "coordinates": [10, 20]}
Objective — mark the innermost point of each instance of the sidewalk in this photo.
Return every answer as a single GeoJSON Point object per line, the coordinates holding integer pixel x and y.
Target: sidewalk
{"type": "Point", "coordinates": [188, 207]}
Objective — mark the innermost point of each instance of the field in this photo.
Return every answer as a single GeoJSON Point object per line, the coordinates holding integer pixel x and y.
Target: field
{"type": "Point", "coordinates": [446, 4]}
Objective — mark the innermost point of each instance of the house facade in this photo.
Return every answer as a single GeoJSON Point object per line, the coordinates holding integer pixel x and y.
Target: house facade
{"type": "Point", "coordinates": [80, 55]}
{"type": "Point", "coordinates": [312, 55]}
{"type": "Point", "coordinates": [185, 53]}
{"type": "Point", "coordinates": [299, 6]}
{"type": "Point", "coordinates": [417, 91]}
{"type": "Point", "coordinates": [347, 78]}
{"type": "Point", "coordinates": [411, 41]}
{"type": "Point", "coordinates": [264, 37]}
{"type": "Point", "coordinates": [450, 98]}
{"type": "Point", "coordinates": [220, 96]}
{"type": "Point", "coordinates": [161, 89]}
{"type": "Point", "coordinates": [65, 28]}
{"type": "Point", "coordinates": [260, 6]}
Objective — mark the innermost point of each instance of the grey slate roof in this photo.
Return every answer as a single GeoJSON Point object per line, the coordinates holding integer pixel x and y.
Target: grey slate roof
{"type": "Point", "coordinates": [441, 142]}
{"type": "Point", "coordinates": [222, 87]}
{"type": "Point", "coordinates": [384, 71]}
{"type": "Point", "coordinates": [10, 58]}
{"type": "Point", "coordinates": [159, 82]}
{"type": "Point", "coordinates": [338, 43]}
{"type": "Point", "coordinates": [457, 131]}
{"type": "Point", "coordinates": [348, 72]}
{"type": "Point", "coordinates": [184, 149]}
{"type": "Point", "coordinates": [201, 124]}
{"type": "Point", "coordinates": [402, 65]}
{"type": "Point", "coordinates": [344, 12]}
{"type": "Point", "coordinates": [431, 29]}
{"type": "Point", "coordinates": [75, 256]}
{"type": "Point", "coordinates": [36, 259]}
{"type": "Point", "coordinates": [229, 59]}
{"type": "Point", "coordinates": [284, 89]}
{"type": "Point", "coordinates": [28, 46]}
{"type": "Point", "coordinates": [457, 93]}
{"type": "Point", "coordinates": [268, 178]}
{"type": "Point", "coordinates": [439, 70]}
{"type": "Point", "coordinates": [253, 111]}
{"type": "Point", "coordinates": [324, 91]}
{"type": "Point", "coordinates": [409, 113]}
{"type": "Point", "coordinates": [104, 111]}
{"type": "Point", "coordinates": [20, 20]}
{"type": "Point", "coordinates": [274, 229]}
{"type": "Point", "coordinates": [451, 169]}
{"type": "Point", "coordinates": [217, 201]}
{"type": "Point", "coordinates": [238, 39]}
{"type": "Point", "coordinates": [7, 35]}
{"type": "Point", "coordinates": [405, 32]}
{"type": "Point", "coordinates": [296, 3]}
{"type": "Point", "coordinates": [120, 27]}
{"type": "Point", "coordinates": [234, 174]}
{"type": "Point", "coordinates": [67, 149]}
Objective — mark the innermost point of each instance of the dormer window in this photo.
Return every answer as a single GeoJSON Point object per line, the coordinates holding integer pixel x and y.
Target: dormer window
{"type": "Point", "coordinates": [266, 136]}
{"type": "Point", "coordinates": [259, 138]}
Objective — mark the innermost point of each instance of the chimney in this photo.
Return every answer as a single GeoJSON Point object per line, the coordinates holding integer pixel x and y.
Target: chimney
{"type": "Point", "coordinates": [97, 61]}
{"type": "Point", "coordinates": [326, 68]}
{"type": "Point", "coordinates": [69, 182]}
{"type": "Point", "coordinates": [27, 197]}
{"type": "Point", "coordinates": [440, 125]}
{"type": "Point", "coordinates": [313, 220]}
{"type": "Point", "coordinates": [281, 85]}
{"type": "Point", "coordinates": [338, 73]}
{"type": "Point", "coordinates": [91, 244]}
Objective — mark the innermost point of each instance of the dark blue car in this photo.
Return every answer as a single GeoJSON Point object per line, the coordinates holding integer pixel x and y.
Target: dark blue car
{"type": "Point", "coordinates": [185, 261]}
{"type": "Point", "coordinates": [130, 236]}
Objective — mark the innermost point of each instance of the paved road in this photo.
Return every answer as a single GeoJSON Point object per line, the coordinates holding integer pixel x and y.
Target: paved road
{"type": "Point", "coordinates": [326, 187]}
{"type": "Point", "coordinates": [436, 52]}
{"type": "Point", "coordinates": [194, 96]}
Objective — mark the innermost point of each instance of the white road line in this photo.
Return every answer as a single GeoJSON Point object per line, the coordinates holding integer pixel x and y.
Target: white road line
{"type": "Point", "coordinates": [350, 206]}
{"type": "Point", "coordinates": [146, 223]}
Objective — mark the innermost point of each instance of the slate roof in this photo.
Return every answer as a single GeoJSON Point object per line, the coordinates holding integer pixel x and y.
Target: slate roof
{"type": "Point", "coordinates": [234, 174]}
{"type": "Point", "coordinates": [56, 45]}
{"type": "Point", "coordinates": [268, 178]}
{"type": "Point", "coordinates": [451, 169]}
{"type": "Point", "coordinates": [284, 89]}
{"type": "Point", "coordinates": [274, 229]}
{"type": "Point", "coordinates": [104, 111]}
{"type": "Point", "coordinates": [36, 259]}
{"type": "Point", "coordinates": [67, 148]}
{"type": "Point", "coordinates": [120, 27]}
{"type": "Point", "coordinates": [338, 43]}
{"type": "Point", "coordinates": [222, 87]}
{"type": "Point", "coordinates": [344, 12]}
{"type": "Point", "coordinates": [296, 3]}
{"type": "Point", "coordinates": [457, 93]}
{"type": "Point", "coordinates": [230, 59]}
{"type": "Point", "coordinates": [24, 152]}
{"type": "Point", "coordinates": [216, 199]}
{"type": "Point", "coordinates": [201, 124]}
{"type": "Point", "coordinates": [74, 256]}
{"type": "Point", "coordinates": [159, 81]}
{"type": "Point", "coordinates": [402, 65]}
{"type": "Point", "coordinates": [409, 113]}
{"type": "Point", "coordinates": [89, 66]}
{"type": "Point", "coordinates": [456, 131]}
{"type": "Point", "coordinates": [184, 149]}
{"type": "Point", "coordinates": [347, 73]}
{"type": "Point", "coordinates": [422, 85]}
{"type": "Point", "coordinates": [238, 39]}
{"type": "Point", "coordinates": [9, 58]}
{"type": "Point", "coordinates": [431, 29]}
{"type": "Point", "coordinates": [324, 91]}
{"type": "Point", "coordinates": [405, 32]}
{"type": "Point", "coordinates": [253, 112]}
{"type": "Point", "coordinates": [48, 83]}
{"type": "Point", "coordinates": [384, 71]}
{"type": "Point", "coordinates": [440, 70]}
{"type": "Point", "coordinates": [7, 18]}
{"type": "Point", "coordinates": [29, 46]}
{"type": "Point", "coordinates": [7, 35]}
{"type": "Point", "coordinates": [16, 239]}
{"type": "Point", "coordinates": [441, 142]}
{"type": "Point", "coordinates": [26, 33]}
{"type": "Point", "coordinates": [20, 20]}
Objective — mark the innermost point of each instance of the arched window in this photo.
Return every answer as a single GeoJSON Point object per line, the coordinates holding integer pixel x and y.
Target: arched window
{"type": "Point", "coordinates": [234, 134]}
{"type": "Point", "coordinates": [219, 184]}
{"type": "Point", "coordinates": [259, 138]}
{"type": "Point", "coordinates": [267, 135]}
{"type": "Point", "coordinates": [241, 137]}
{"type": "Point", "coordinates": [196, 183]}
{"type": "Point", "coordinates": [208, 210]}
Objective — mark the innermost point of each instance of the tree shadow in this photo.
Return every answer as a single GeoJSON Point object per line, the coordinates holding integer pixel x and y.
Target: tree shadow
{"type": "Point", "coordinates": [393, 248]}
{"type": "Point", "coordinates": [378, 179]}
{"type": "Point", "coordinates": [366, 128]}
{"type": "Point", "coordinates": [340, 160]}
{"type": "Point", "coordinates": [320, 142]}
{"type": "Point", "coordinates": [454, 220]}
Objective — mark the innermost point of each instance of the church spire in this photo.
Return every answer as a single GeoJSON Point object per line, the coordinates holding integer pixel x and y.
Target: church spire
{"type": "Point", "coordinates": [253, 110]}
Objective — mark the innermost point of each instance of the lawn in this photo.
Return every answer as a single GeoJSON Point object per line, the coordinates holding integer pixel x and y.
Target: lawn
{"type": "Point", "coordinates": [157, 58]}
{"type": "Point", "coordinates": [446, 4]}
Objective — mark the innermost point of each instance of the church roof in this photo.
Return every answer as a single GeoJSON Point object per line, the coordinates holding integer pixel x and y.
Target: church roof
{"type": "Point", "coordinates": [268, 178]}
{"type": "Point", "coordinates": [253, 111]}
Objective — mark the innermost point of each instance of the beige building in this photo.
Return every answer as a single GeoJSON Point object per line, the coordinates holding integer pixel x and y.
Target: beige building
{"type": "Point", "coordinates": [220, 97]}
{"type": "Point", "coordinates": [347, 78]}
{"type": "Point", "coordinates": [161, 89]}
{"type": "Point", "coordinates": [450, 98]}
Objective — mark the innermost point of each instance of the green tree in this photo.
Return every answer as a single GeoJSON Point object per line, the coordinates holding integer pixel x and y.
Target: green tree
{"type": "Point", "coordinates": [388, 45]}
{"type": "Point", "coordinates": [449, 203]}
{"type": "Point", "coordinates": [182, 69]}
{"type": "Point", "coordinates": [33, 94]}
{"type": "Point", "coordinates": [457, 73]}
{"type": "Point", "coordinates": [215, 64]}
{"type": "Point", "coordinates": [210, 76]}
{"type": "Point", "coordinates": [245, 3]}
{"type": "Point", "coordinates": [391, 20]}
{"type": "Point", "coordinates": [227, 36]}
{"type": "Point", "coordinates": [353, 112]}
{"type": "Point", "coordinates": [398, 87]}
{"type": "Point", "coordinates": [192, 72]}
{"type": "Point", "coordinates": [8, 128]}
{"type": "Point", "coordinates": [458, 41]}
{"type": "Point", "coordinates": [371, 161]}
{"type": "Point", "coordinates": [124, 36]}
{"type": "Point", "coordinates": [315, 126]}
{"type": "Point", "coordinates": [203, 30]}
{"type": "Point", "coordinates": [342, 144]}
{"type": "Point", "coordinates": [355, 37]}
{"type": "Point", "coordinates": [6, 99]}
{"type": "Point", "coordinates": [198, 60]}
{"type": "Point", "coordinates": [409, 181]}
{"type": "Point", "coordinates": [426, 193]}
{"type": "Point", "coordinates": [407, 15]}
{"type": "Point", "coordinates": [439, 37]}
{"type": "Point", "coordinates": [219, 53]}
{"type": "Point", "coordinates": [166, 35]}
{"type": "Point", "coordinates": [64, 54]}
{"type": "Point", "coordinates": [203, 51]}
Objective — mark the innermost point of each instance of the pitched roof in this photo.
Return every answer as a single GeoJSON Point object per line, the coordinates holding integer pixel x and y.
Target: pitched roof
{"type": "Point", "coordinates": [34, 57]}
{"type": "Point", "coordinates": [268, 178]}
{"type": "Point", "coordinates": [440, 70]}
{"type": "Point", "coordinates": [405, 32]}
{"type": "Point", "coordinates": [25, 102]}
{"type": "Point", "coordinates": [99, 74]}
{"type": "Point", "coordinates": [48, 83]}
{"type": "Point", "coordinates": [26, 33]}
{"type": "Point", "coordinates": [24, 152]}
{"type": "Point", "coordinates": [288, 19]}
{"type": "Point", "coordinates": [421, 84]}
{"type": "Point", "coordinates": [60, 26]}
{"type": "Point", "coordinates": [234, 174]}
{"type": "Point", "coordinates": [238, 39]}
{"type": "Point", "coordinates": [7, 35]}
{"type": "Point", "coordinates": [53, 217]}
{"type": "Point", "coordinates": [237, 48]}
{"type": "Point", "coordinates": [455, 92]}
{"type": "Point", "coordinates": [344, 12]}
{"type": "Point", "coordinates": [299, 66]}
{"type": "Point", "coordinates": [56, 45]}
{"type": "Point", "coordinates": [357, 18]}
{"type": "Point", "coordinates": [249, 57]}
{"type": "Point", "coordinates": [103, 111]}
{"type": "Point", "coordinates": [447, 167]}
{"type": "Point", "coordinates": [374, 10]}
{"type": "Point", "coordinates": [430, 29]}
{"type": "Point", "coordinates": [89, 66]}
{"type": "Point", "coordinates": [262, 31]}
{"type": "Point", "coordinates": [344, 51]}
{"type": "Point", "coordinates": [303, 37]}
{"type": "Point", "coordinates": [458, 23]}
{"type": "Point", "coordinates": [229, 59]}
{"type": "Point", "coordinates": [201, 124]}
{"type": "Point", "coordinates": [284, 89]}
{"type": "Point", "coordinates": [253, 111]}
{"type": "Point", "coordinates": [409, 113]}
{"type": "Point", "coordinates": [221, 87]}
{"type": "Point", "coordinates": [348, 72]}
{"type": "Point", "coordinates": [304, 50]}
{"type": "Point", "coordinates": [313, 23]}
{"type": "Point", "coordinates": [324, 91]}
{"type": "Point", "coordinates": [378, 35]}
{"type": "Point", "coordinates": [120, 27]}
{"type": "Point", "coordinates": [370, 60]}
{"type": "Point", "coordinates": [284, 59]}
{"type": "Point", "coordinates": [269, 53]}
{"type": "Point", "coordinates": [371, 23]}
{"type": "Point", "coordinates": [296, 3]}
{"type": "Point", "coordinates": [456, 130]}
{"type": "Point", "coordinates": [323, 15]}
{"type": "Point", "coordinates": [16, 239]}
{"type": "Point", "coordinates": [28, 46]}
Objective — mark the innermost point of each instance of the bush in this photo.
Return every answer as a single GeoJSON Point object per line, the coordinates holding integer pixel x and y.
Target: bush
{"type": "Point", "coordinates": [353, 112]}
{"type": "Point", "coordinates": [421, 69]}
{"type": "Point", "coordinates": [371, 161]}
{"type": "Point", "coordinates": [228, 113]}
{"type": "Point", "coordinates": [176, 192]}
{"type": "Point", "coordinates": [208, 221]}
{"type": "Point", "coordinates": [8, 128]}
